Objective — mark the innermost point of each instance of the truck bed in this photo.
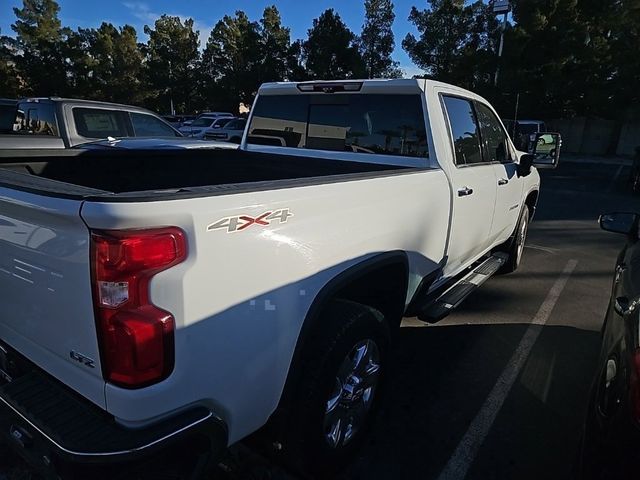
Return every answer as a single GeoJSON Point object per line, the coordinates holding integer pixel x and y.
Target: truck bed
{"type": "Point", "coordinates": [122, 172]}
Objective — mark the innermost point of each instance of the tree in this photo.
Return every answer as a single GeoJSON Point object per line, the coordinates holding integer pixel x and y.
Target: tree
{"type": "Point", "coordinates": [456, 42]}
{"type": "Point", "coordinates": [541, 57]}
{"type": "Point", "coordinates": [232, 61]}
{"type": "Point", "coordinates": [278, 55]}
{"type": "Point", "coordinates": [331, 50]}
{"type": "Point", "coordinates": [79, 64]}
{"type": "Point", "coordinates": [172, 61]}
{"type": "Point", "coordinates": [39, 39]}
{"type": "Point", "coordinates": [376, 39]}
{"type": "Point", "coordinates": [9, 80]}
{"type": "Point", "coordinates": [118, 63]}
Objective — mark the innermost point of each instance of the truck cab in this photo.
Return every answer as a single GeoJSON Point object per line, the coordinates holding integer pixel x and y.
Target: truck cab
{"type": "Point", "coordinates": [58, 123]}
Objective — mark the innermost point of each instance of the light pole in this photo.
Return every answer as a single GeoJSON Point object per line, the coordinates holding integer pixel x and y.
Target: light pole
{"type": "Point", "coordinates": [500, 7]}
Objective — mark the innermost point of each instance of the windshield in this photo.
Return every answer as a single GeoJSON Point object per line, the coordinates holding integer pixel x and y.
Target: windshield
{"type": "Point", "coordinates": [236, 125]}
{"type": "Point", "coordinates": [529, 128]}
{"type": "Point", "coordinates": [221, 122]}
{"type": "Point", "coordinates": [203, 122]}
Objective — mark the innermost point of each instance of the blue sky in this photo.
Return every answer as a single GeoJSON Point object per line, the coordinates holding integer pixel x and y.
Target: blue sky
{"type": "Point", "coordinates": [296, 14]}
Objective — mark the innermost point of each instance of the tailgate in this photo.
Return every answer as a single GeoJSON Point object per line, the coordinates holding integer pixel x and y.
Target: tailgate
{"type": "Point", "coordinates": [45, 289]}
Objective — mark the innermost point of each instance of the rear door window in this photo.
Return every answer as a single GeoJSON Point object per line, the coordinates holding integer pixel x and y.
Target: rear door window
{"type": "Point", "coordinates": [145, 125]}
{"type": "Point", "coordinates": [362, 123]}
{"type": "Point", "coordinates": [101, 122]}
{"type": "Point", "coordinates": [464, 130]}
{"type": "Point", "coordinates": [493, 135]}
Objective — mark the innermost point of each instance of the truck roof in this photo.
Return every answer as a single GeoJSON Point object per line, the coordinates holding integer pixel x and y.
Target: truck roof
{"type": "Point", "coordinates": [80, 101]}
{"type": "Point", "coordinates": [377, 85]}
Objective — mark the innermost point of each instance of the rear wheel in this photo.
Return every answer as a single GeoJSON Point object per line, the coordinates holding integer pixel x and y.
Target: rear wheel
{"type": "Point", "coordinates": [336, 399]}
{"type": "Point", "coordinates": [515, 246]}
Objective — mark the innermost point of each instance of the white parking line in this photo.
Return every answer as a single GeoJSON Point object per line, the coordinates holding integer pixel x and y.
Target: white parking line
{"type": "Point", "coordinates": [612, 185]}
{"type": "Point", "coordinates": [464, 455]}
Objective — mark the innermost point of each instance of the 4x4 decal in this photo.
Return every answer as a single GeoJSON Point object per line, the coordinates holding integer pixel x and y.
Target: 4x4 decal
{"type": "Point", "coordinates": [242, 222]}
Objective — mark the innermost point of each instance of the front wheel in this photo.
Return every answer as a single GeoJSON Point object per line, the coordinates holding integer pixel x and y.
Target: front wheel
{"type": "Point", "coordinates": [515, 246]}
{"type": "Point", "coordinates": [342, 378]}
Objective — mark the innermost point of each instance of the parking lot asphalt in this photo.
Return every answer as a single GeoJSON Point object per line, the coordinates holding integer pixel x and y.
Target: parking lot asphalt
{"type": "Point", "coordinates": [498, 389]}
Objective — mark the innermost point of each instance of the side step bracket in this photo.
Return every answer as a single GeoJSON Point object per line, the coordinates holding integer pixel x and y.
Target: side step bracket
{"type": "Point", "coordinates": [451, 298]}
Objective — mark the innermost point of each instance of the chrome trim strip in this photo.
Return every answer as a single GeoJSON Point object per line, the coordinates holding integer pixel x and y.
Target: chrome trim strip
{"type": "Point", "coordinates": [104, 454]}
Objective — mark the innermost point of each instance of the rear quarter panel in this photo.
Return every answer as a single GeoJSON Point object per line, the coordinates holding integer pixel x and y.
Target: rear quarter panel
{"type": "Point", "coordinates": [240, 298]}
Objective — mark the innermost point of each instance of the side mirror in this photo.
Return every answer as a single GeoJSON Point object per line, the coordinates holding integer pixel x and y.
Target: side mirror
{"type": "Point", "coordinates": [626, 223]}
{"type": "Point", "coordinates": [525, 164]}
{"type": "Point", "coordinates": [546, 150]}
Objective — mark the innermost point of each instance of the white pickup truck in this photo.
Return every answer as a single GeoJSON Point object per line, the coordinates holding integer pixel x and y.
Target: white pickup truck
{"type": "Point", "coordinates": [159, 299]}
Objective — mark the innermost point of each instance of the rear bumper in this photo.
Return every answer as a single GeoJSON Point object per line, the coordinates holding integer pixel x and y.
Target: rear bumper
{"type": "Point", "coordinates": [55, 429]}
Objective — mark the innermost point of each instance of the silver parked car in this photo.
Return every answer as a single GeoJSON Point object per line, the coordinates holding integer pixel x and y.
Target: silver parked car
{"type": "Point", "coordinates": [54, 123]}
{"type": "Point", "coordinates": [231, 132]}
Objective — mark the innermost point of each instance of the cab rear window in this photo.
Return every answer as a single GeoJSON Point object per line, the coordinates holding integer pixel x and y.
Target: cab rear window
{"type": "Point", "coordinates": [361, 123]}
{"type": "Point", "coordinates": [34, 118]}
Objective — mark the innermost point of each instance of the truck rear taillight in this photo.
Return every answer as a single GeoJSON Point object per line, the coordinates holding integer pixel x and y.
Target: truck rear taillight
{"type": "Point", "coordinates": [135, 337]}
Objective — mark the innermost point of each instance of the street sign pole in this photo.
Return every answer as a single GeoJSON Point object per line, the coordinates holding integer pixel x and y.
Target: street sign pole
{"type": "Point", "coordinates": [500, 7]}
{"type": "Point", "coordinates": [504, 26]}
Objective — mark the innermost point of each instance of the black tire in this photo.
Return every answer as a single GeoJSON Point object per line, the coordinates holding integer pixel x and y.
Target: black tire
{"type": "Point", "coordinates": [305, 446]}
{"type": "Point", "coordinates": [515, 245]}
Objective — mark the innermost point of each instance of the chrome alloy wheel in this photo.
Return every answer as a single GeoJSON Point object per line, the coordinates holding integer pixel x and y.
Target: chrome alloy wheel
{"type": "Point", "coordinates": [353, 393]}
{"type": "Point", "coordinates": [522, 237]}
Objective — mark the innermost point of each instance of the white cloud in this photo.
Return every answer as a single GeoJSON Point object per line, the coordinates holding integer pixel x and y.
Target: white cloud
{"type": "Point", "coordinates": [410, 70]}
{"type": "Point", "coordinates": [205, 31]}
{"type": "Point", "coordinates": [143, 12]}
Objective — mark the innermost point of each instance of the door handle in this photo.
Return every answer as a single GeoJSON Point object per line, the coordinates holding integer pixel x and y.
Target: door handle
{"type": "Point", "coordinates": [503, 181]}
{"type": "Point", "coordinates": [464, 191]}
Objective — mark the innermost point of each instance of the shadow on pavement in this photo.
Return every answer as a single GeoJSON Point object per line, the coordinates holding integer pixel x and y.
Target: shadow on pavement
{"type": "Point", "coordinates": [425, 415]}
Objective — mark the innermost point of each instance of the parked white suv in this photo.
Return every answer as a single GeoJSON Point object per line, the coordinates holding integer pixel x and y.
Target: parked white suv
{"type": "Point", "coordinates": [198, 127]}
{"type": "Point", "coordinates": [168, 301]}
{"type": "Point", "coordinates": [231, 131]}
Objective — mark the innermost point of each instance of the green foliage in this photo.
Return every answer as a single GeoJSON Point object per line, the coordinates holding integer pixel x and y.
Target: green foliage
{"type": "Point", "coordinates": [39, 39]}
{"type": "Point", "coordinates": [279, 60]}
{"type": "Point", "coordinates": [241, 55]}
{"type": "Point", "coordinates": [172, 58]}
{"type": "Point", "coordinates": [541, 56]}
{"type": "Point", "coordinates": [331, 50]}
{"type": "Point", "coordinates": [377, 42]}
{"type": "Point", "coordinates": [564, 57]}
{"type": "Point", "coordinates": [231, 62]}
{"type": "Point", "coordinates": [9, 80]}
{"type": "Point", "coordinates": [456, 42]}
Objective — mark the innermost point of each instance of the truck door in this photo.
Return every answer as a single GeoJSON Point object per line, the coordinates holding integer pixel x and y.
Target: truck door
{"type": "Point", "coordinates": [474, 186]}
{"type": "Point", "coordinates": [499, 151]}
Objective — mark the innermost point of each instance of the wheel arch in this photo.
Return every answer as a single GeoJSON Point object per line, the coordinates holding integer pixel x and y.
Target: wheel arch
{"type": "Point", "coordinates": [380, 282]}
{"type": "Point", "coordinates": [531, 201]}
